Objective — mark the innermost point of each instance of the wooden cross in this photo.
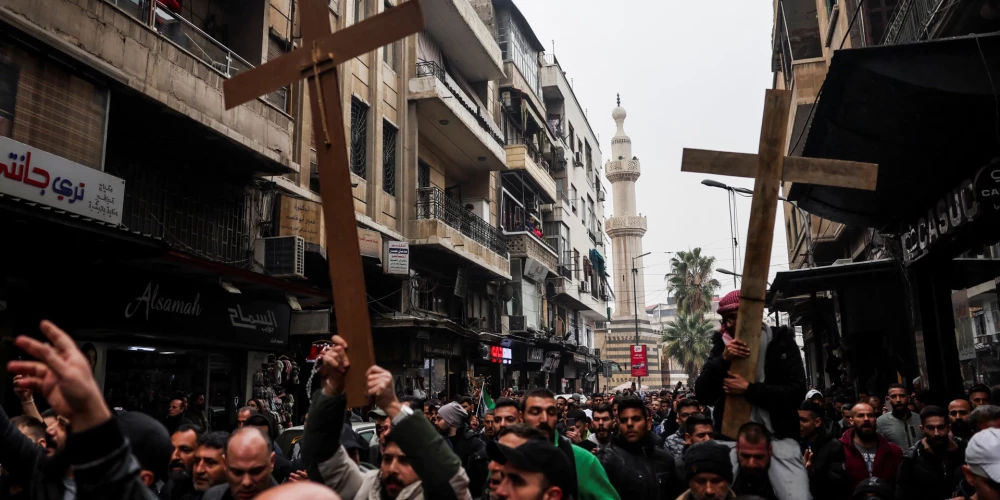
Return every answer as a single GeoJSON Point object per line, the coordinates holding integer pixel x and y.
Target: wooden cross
{"type": "Point", "coordinates": [769, 167]}
{"type": "Point", "coordinates": [317, 61]}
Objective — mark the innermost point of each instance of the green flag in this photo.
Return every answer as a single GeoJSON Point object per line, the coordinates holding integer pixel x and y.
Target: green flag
{"type": "Point", "coordinates": [487, 400]}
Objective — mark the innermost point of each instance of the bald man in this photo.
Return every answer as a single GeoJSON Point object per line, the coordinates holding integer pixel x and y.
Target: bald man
{"type": "Point", "coordinates": [300, 491]}
{"type": "Point", "coordinates": [249, 462]}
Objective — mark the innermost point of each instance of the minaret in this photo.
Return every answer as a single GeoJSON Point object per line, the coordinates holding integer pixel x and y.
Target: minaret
{"type": "Point", "coordinates": [626, 227]}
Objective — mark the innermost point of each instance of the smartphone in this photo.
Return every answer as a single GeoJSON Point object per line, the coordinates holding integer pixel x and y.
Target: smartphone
{"type": "Point", "coordinates": [570, 422]}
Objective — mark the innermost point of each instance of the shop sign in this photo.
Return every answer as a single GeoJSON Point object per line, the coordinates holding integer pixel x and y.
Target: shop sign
{"type": "Point", "coordinates": [500, 355]}
{"type": "Point", "coordinates": [579, 359]}
{"type": "Point", "coordinates": [441, 349]}
{"type": "Point", "coordinates": [639, 368]}
{"type": "Point", "coordinates": [370, 243]}
{"type": "Point", "coordinates": [955, 209]}
{"type": "Point", "coordinates": [31, 174]}
{"type": "Point", "coordinates": [298, 217]}
{"type": "Point", "coordinates": [397, 259]}
{"type": "Point", "coordinates": [536, 355]}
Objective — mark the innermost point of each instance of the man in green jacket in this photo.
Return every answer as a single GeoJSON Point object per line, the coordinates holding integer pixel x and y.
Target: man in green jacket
{"type": "Point", "coordinates": [417, 463]}
{"type": "Point", "coordinates": [541, 412]}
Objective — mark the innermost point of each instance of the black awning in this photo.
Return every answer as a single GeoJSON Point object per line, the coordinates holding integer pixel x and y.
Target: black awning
{"type": "Point", "coordinates": [803, 281]}
{"type": "Point", "coordinates": [925, 112]}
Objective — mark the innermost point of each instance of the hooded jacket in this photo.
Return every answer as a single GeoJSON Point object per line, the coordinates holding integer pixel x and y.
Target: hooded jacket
{"type": "Point", "coordinates": [471, 450]}
{"type": "Point", "coordinates": [827, 480]}
{"type": "Point", "coordinates": [923, 475]}
{"type": "Point", "coordinates": [439, 469]}
{"type": "Point", "coordinates": [640, 470]}
{"type": "Point", "coordinates": [780, 393]}
{"type": "Point", "coordinates": [887, 459]}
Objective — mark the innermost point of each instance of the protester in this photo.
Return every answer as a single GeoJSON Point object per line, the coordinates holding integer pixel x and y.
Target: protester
{"type": "Point", "coordinates": [417, 462]}
{"type": "Point", "coordinates": [674, 443]}
{"type": "Point", "coordinates": [815, 397]}
{"type": "Point", "coordinates": [185, 442]}
{"type": "Point", "coordinates": [979, 395]}
{"type": "Point", "coordinates": [932, 468]}
{"type": "Point", "coordinates": [846, 420]}
{"type": "Point", "coordinates": [866, 452]}
{"type": "Point", "coordinates": [958, 409]}
{"type": "Point", "coordinates": [489, 426]}
{"type": "Point", "coordinates": [753, 456]}
{"type": "Point", "coordinates": [431, 409]}
{"type": "Point", "coordinates": [590, 481]}
{"type": "Point", "coordinates": [579, 432]}
{"type": "Point", "coordinates": [635, 466]}
{"type": "Point", "coordinates": [243, 414]}
{"type": "Point", "coordinates": [209, 463]}
{"type": "Point", "coordinates": [709, 472]}
{"type": "Point", "coordinates": [249, 460]}
{"type": "Point", "coordinates": [982, 464]}
{"type": "Point", "coordinates": [774, 399]}
{"type": "Point", "coordinates": [877, 404]}
{"type": "Point", "coordinates": [819, 450]}
{"type": "Point", "coordinates": [532, 470]}
{"type": "Point", "coordinates": [198, 412]}
{"type": "Point", "coordinates": [471, 450]}
{"type": "Point", "coordinates": [506, 412]}
{"type": "Point", "coordinates": [603, 426]}
{"type": "Point", "coordinates": [901, 427]}
{"type": "Point", "coordinates": [984, 417]}
{"type": "Point", "coordinates": [697, 429]}
{"type": "Point", "coordinates": [175, 415]}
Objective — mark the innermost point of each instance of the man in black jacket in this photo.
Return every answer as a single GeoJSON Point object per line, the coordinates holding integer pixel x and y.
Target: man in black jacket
{"type": "Point", "coordinates": [469, 447]}
{"type": "Point", "coordinates": [635, 466]}
{"type": "Point", "coordinates": [819, 448]}
{"type": "Point", "coordinates": [774, 397]}
{"type": "Point", "coordinates": [932, 468]}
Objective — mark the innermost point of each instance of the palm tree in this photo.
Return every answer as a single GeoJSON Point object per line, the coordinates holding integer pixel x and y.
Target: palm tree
{"type": "Point", "coordinates": [691, 281]}
{"type": "Point", "coordinates": [689, 341]}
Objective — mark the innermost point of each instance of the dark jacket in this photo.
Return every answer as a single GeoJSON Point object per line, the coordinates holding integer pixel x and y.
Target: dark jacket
{"type": "Point", "coordinates": [471, 450]}
{"type": "Point", "coordinates": [640, 471]}
{"type": "Point", "coordinates": [783, 388]}
{"type": "Point", "coordinates": [172, 423]}
{"type": "Point", "coordinates": [887, 459]}
{"type": "Point", "coordinates": [746, 486]}
{"type": "Point", "coordinates": [102, 462]}
{"type": "Point", "coordinates": [922, 475]}
{"type": "Point", "coordinates": [827, 479]}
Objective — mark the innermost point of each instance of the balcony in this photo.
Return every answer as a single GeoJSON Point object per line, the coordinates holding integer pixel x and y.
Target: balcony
{"type": "Point", "coordinates": [523, 244]}
{"type": "Point", "coordinates": [444, 222]}
{"type": "Point", "coordinates": [514, 78]}
{"type": "Point", "coordinates": [464, 39]}
{"type": "Point", "coordinates": [579, 296]}
{"type": "Point", "coordinates": [160, 55]}
{"type": "Point", "coordinates": [550, 75]}
{"type": "Point", "coordinates": [454, 122]}
{"type": "Point", "coordinates": [523, 155]}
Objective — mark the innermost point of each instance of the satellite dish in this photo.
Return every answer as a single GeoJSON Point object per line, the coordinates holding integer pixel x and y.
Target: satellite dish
{"type": "Point", "coordinates": [506, 292]}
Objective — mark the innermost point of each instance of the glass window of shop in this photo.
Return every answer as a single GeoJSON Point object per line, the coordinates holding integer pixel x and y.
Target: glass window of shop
{"type": "Point", "coordinates": [146, 379]}
{"type": "Point", "coordinates": [977, 326]}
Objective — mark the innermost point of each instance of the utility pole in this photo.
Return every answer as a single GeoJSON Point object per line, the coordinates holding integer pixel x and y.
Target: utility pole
{"type": "Point", "coordinates": [635, 303]}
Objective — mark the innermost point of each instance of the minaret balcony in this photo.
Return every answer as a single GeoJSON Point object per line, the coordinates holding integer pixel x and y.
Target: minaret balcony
{"type": "Point", "coordinates": [625, 225]}
{"type": "Point", "coordinates": [623, 170]}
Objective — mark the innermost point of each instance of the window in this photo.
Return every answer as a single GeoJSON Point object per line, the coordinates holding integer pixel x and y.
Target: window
{"type": "Point", "coordinates": [572, 141]}
{"type": "Point", "coordinates": [390, 54]}
{"type": "Point", "coordinates": [360, 10]}
{"type": "Point", "coordinates": [515, 47]}
{"type": "Point", "coordinates": [389, 158]}
{"type": "Point", "coordinates": [8, 98]}
{"type": "Point", "coordinates": [423, 174]}
{"type": "Point", "coordinates": [276, 47]}
{"type": "Point", "coordinates": [359, 137]}
{"type": "Point", "coordinates": [572, 197]}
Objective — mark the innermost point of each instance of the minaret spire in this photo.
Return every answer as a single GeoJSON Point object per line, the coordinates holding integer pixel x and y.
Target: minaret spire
{"type": "Point", "coordinates": [619, 99]}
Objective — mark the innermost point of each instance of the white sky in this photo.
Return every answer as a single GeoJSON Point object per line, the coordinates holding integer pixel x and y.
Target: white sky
{"type": "Point", "coordinates": [691, 74]}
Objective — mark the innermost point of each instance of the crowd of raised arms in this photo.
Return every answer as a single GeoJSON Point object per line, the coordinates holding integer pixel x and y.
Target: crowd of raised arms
{"type": "Point", "coordinates": [527, 445]}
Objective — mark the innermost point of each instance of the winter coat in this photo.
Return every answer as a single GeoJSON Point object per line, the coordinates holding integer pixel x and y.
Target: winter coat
{"type": "Point", "coordinates": [102, 462]}
{"type": "Point", "coordinates": [827, 480]}
{"type": "Point", "coordinates": [221, 492]}
{"type": "Point", "coordinates": [589, 477]}
{"type": "Point", "coordinates": [640, 471]}
{"type": "Point", "coordinates": [887, 459]}
{"type": "Point", "coordinates": [784, 385]}
{"type": "Point", "coordinates": [902, 433]}
{"type": "Point", "coordinates": [923, 476]}
{"type": "Point", "coordinates": [439, 469]}
{"type": "Point", "coordinates": [471, 450]}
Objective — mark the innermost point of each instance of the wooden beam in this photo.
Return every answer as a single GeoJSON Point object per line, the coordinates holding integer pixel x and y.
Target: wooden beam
{"type": "Point", "coordinates": [366, 36]}
{"type": "Point", "coordinates": [757, 263]}
{"type": "Point", "coordinates": [839, 173]}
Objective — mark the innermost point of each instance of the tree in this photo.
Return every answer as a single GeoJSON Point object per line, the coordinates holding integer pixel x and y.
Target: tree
{"type": "Point", "coordinates": [691, 281]}
{"type": "Point", "coordinates": [689, 341]}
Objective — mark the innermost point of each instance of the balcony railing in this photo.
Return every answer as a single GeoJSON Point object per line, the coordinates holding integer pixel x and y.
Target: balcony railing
{"type": "Point", "coordinates": [533, 152]}
{"type": "Point", "coordinates": [433, 204]}
{"type": "Point", "coordinates": [431, 68]}
{"type": "Point", "coordinates": [912, 21]}
{"type": "Point", "coordinates": [189, 37]}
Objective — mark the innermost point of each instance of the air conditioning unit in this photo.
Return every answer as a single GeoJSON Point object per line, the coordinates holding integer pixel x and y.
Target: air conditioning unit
{"type": "Point", "coordinates": [282, 256]}
{"type": "Point", "coordinates": [546, 208]}
{"type": "Point", "coordinates": [585, 287]}
{"type": "Point", "coordinates": [578, 159]}
{"type": "Point", "coordinates": [533, 206]}
{"type": "Point", "coordinates": [517, 324]}
{"type": "Point", "coordinates": [600, 195]}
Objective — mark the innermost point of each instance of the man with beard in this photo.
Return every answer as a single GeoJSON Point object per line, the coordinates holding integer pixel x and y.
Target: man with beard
{"type": "Point", "coordinates": [635, 466]}
{"type": "Point", "coordinates": [596, 400]}
{"type": "Point", "coordinates": [866, 452]}
{"type": "Point", "coordinates": [209, 461]}
{"type": "Point", "coordinates": [603, 426]}
{"type": "Point", "coordinates": [417, 463]}
{"type": "Point", "coordinates": [901, 427]}
{"type": "Point", "coordinates": [979, 395]}
{"type": "Point", "coordinates": [506, 412]}
{"type": "Point", "coordinates": [534, 470]}
{"type": "Point", "coordinates": [511, 437]}
{"type": "Point", "coordinates": [675, 442]}
{"type": "Point", "coordinates": [590, 482]}
{"type": "Point", "coordinates": [819, 448]}
{"type": "Point", "coordinates": [471, 450]}
{"type": "Point", "coordinates": [709, 472]}
{"type": "Point", "coordinates": [489, 426]}
{"type": "Point", "coordinates": [753, 458]}
{"type": "Point", "coordinates": [932, 468]}
{"type": "Point", "coordinates": [179, 483]}
{"type": "Point", "coordinates": [958, 419]}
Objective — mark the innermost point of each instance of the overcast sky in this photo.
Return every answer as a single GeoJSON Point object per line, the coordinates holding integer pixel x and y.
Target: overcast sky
{"type": "Point", "coordinates": [690, 74]}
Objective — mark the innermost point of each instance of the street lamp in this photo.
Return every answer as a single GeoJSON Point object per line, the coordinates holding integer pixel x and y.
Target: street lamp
{"type": "Point", "coordinates": [635, 302]}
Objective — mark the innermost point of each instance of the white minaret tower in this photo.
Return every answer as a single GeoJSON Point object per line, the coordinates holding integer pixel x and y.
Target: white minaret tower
{"type": "Point", "coordinates": [626, 227]}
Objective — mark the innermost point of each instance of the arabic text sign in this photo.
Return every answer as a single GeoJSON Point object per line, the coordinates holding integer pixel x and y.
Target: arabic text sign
{"type": "Point", "coordinates": [304, 218]}
{"type": "Point", "coordinates": [398, 257]}
{"type": "Point", "coordinates": [639, 368]}
{"type": "Point", "coordinates": [32, 174]}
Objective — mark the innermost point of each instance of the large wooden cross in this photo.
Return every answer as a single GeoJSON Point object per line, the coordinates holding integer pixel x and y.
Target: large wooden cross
{"type": "Point", "coordinates": [317, 61]}
{"type": "Point", "coordinates": [769, 167]}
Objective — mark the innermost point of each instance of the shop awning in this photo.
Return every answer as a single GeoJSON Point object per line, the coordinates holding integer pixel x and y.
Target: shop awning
{"type": "Point", "coordinates": [925, 112]}
{"type": "Point", "coordinates": [599, 263]}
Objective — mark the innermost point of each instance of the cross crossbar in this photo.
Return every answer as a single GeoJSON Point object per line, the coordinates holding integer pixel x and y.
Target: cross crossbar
{"type": "Point", "coordinates": [839, 173]}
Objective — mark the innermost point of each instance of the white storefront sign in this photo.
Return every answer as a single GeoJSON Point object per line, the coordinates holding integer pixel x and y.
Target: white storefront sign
{"type": "Point", "coordinates": [35, 175]}
{"type": "Point", "coordinates": [397, 259]}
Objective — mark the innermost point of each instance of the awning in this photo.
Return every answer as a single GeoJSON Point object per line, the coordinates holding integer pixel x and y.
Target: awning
{"type": "Point", "coordinates": [599, 263]}
{"type": "Point", "coordinates": [925, 112]}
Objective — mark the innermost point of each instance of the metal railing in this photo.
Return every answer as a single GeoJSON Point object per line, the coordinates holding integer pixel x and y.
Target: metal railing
{"type": "Point", "coordinates": [431, 68]}
{"type": "Point", "coordinates": [432, 203]}
{"type": "Point", "coordinates": [912, 21]}
{"type": "Point", "coordinates": [533, 152]}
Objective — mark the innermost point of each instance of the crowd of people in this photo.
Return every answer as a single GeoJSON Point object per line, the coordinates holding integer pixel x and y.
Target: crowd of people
{"type": "Point", "coordinates": [529, 445]}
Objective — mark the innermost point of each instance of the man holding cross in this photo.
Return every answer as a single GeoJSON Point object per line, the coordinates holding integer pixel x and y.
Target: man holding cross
{"type": "Point", "coordinates": [774, 398]}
